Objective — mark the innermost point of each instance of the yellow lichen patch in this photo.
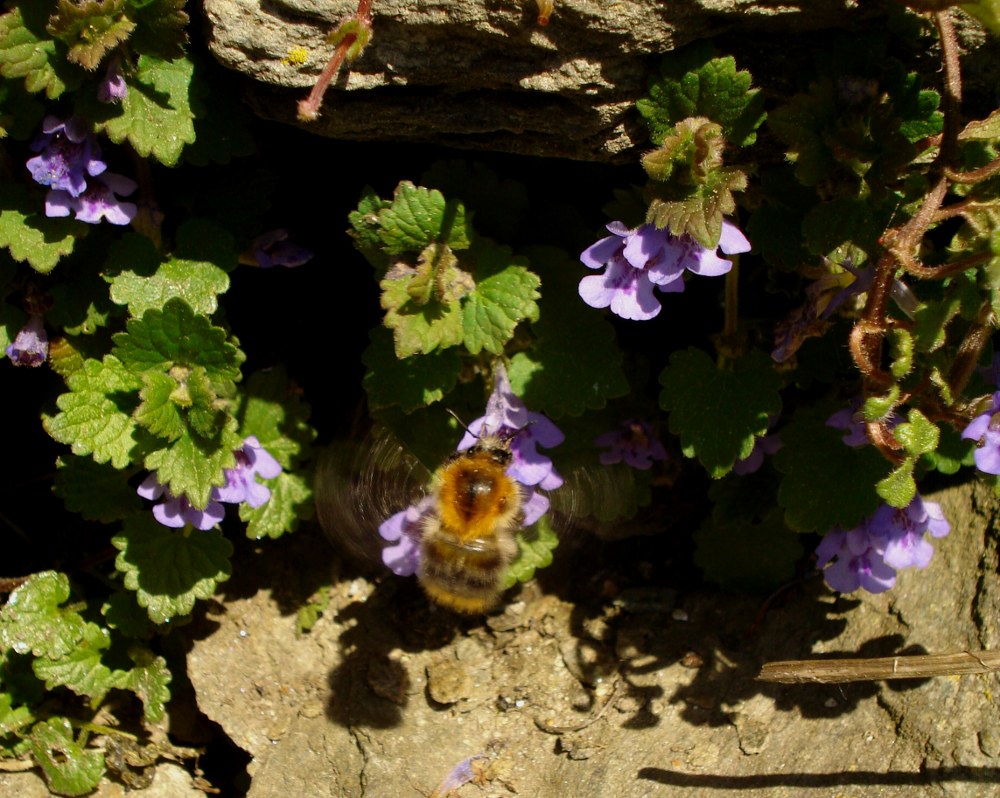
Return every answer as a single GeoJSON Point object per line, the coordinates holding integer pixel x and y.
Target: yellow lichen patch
{"type": "Point", "coordinates": [296, 56]}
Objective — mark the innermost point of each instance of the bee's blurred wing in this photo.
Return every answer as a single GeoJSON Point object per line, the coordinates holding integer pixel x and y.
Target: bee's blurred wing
{"type": "Point", "coordinates": [359, 484]}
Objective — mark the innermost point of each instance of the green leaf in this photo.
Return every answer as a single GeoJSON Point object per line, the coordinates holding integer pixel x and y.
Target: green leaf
{"type": "Point", "coordinates": [842, 220]}
{"type": "Point", "coordinates": [198, 283]}
{"type": "Point", "coordinates": [13, 719]}
{"type": "Point", "coordinates": [986, 11]}
{"type": "Point", "coordinates": [505, 295]}
{"type": "Point", "coordinates": [33, 622]}
{"type": "Point", "coordinates": [952, 453]}
{"type": "Point", "coordinates": [69, 768]}
{"type": "Point", "coordinates": [161, 27]}
{"type": "Point", "coordinates": [826, 482]}
{"type": "Point", "coordinates": [90, 29]}
{"type": "Point", "coordinates": [27, 51]}
{"type": "Point", "coordinates": [158, 413]}
{"type": "Point", "coordinates": [501, 205]}
{"type": "Point", "coordinates": [418, 328]}
{"type": "Point", "coordinates": [155, 116]}
{"type": "Point", "coordinates": [918, 434]}
{"type": "Point", "coordinates": [29, 234]}
{"type": "Point", "coordinates": [693, 83]}
{"type": "Point", "coordinates": [176, 336]}
{"type": "Point", "coordinates": [291, 501]}
{"type": "Point", "coordinates": [419, 217]}
{"type": "Point", "coordinates": [149, 679]}
{"type": "Point", "coordinates": [97, 491]}
{"type": "Point", "coordinates": [96, 414]}
{"type": "Point", "coordinates": [748, 556]}
{"type": "Point", "coordinates": [718, 413]}
{"type": "Point", "coordinates": [411, 383]}
{"type": "Point", "coordinates": [366, 229]}
{"type": "Point", "coordinates": [192, 466]}
{"type": "Point", "coordinates": [567, 332]}
{"type": "Point", "coordinates": [276, 414]}
{"type": "Point", "coordinates": [169, 569]}
{"type": "Point", "coordinates": [534, 550]}
{"type": "Point", "coordinates": [899, 488]}
{"type": "Point", "coordinates": [123, 613]}
{"type": "Point", "coordinates": [81, 670]}
{"type": "Point", "coordinates": [699, 212]}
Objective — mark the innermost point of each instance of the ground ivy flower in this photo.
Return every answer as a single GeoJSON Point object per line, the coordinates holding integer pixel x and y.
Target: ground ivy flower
{"type": "Point", "coordinates": [69, 155]}
{"type": "Point", "coordinates": [984, 429]}
{"type": "Point", "coordinates": [274, 249]}
{"type": "Point", "coordinates": [636, 260]}
{"type": "Point", "coordinates": [98, 202]}
{"type": "Point", "coordinates": [252, 460]}
{"type": "Point", "coordinates": [112, 88]}
{"type": "Point", "coordinates": [766, 445]}
{"type": "Point", "coordinates": [31, 345]}
{"type": "Point", "coordinates": [177, 512]}
{"type": "Point", "coordinates": [634, 442]}
{"type": "Point", "coordinates": [868, 556]}
{"type": "Point", "coordinates": [405, 529]}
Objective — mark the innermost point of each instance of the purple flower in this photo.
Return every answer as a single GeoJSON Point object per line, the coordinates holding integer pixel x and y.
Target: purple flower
{"type": "Point", "coordinates": [97, 202]}
{"type": "Point", "coordinates": [273, 249]}
{"type": "Point", "coordinates": [405, 529]}
{"type": "Point", "coordinates": [768, 444]}
{"type": "Point", "coordinates": [112, 88]}
{"type": "Point", "coordinates": [984, 429]}
{"type": "Point", "coordinates": [177, 512]}
{"type": "Point", "coordinates": [509, 419]}
{"type": "Point", "coordinates": [639, 259]}
{"type": "Point", "coordinates": [634, 442]}
{"type": "Point", "coordinates": [893, 538]}
{"type": "Point", "coordinates": [241, 482]}
{"type": "Point", "coordinates": [31, 345]}
{"type": "Point", "coordinates": [850, 420]}
{"type": "Point", "coordinates": [69, 154]}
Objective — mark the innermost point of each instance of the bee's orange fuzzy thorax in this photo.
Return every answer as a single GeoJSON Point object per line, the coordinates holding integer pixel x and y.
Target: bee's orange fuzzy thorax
{"type": "Point", "coordinates": [475, 495]}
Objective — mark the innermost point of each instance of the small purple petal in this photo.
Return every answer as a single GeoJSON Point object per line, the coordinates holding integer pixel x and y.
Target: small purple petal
{"type": "Point", "coordinates": [30, 346]}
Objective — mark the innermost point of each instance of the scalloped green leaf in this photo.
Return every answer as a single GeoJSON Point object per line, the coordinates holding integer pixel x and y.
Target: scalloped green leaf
{"type": "Point", "coordinates": [175, 335]}
{"type": "Point", "coordinates": [690, 83]}
{"type": "Point", "coordinates": [742, 555]}
{"type": "Point", "coordinates": [157, 412]}
{"type": "Point", "coordinates": [534, 550]}
{"type": "Point", "coordinates": [32, 621]}
{"type": "Point", "coordinates": [416, 328]}
{"type": "Point", "coordinates": [69, 768]}
{"type": "Point", "coordinates": [81, 669]}
{"type": "Point", "coordinates": [699, 213]}
{"type": "Point", "coordinates": [149, 679]}
{"type": "Point", "coordinates": [155, 115]}
{"type": "Point", "coordinates": [96, 413]}
{"type": "Point", "coordinates": [170, 569]}
{"type": "Point", "coordinates": [161, 27]}
{"type": "Point", "coordinates": [27, 51]}
{"type": "Point", "coordinates": [411, 383]}
{"type": "Point", "coordinates": [198, 283]}
{"type": "Point", "coordinates": [719, 413]}
{"type": "Point", "coordinates": [30, 235]}
{"type": "Point", "coordinates": [13, 719]}
{"type": "Point", "coordinates": [826, 482]}
{"type": "Point", "coordinates": [97, 491]}
{"type": "Point", "coordinates": [419, 217]}
{"type": "Point", "coordinates": [899, 488]}
{"type": "Point", "coordinates": [291, 501]}
{"type": "Point", "coordinates": [567, 332]}
{"type": "Point", "coordinates": [506, 294]}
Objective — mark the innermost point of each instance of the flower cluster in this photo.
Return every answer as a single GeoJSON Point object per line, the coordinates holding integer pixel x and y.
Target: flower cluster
{"type": "Point", "coordinates": [31, 345]}
{"type": "Point", "coordinates": [509, 419]}
{"type": "Point", "coordinates": [869, 555]}
{"type": "Point", "coordinates": [985, 431]}
{"type": "Point", "coordinates": [639, 259]}
{"type": "Point", "coordinates": [634, 442]}
{"type": "Point", "coordinates": [69, 163]}
{"type": "Point", "coordinates": [252, 460]}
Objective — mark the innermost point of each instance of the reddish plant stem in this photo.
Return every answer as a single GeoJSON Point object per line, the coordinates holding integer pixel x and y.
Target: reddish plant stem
{"type": "Point", "coordinates": [308, 108]}
{"type": "Point", "coordinates": [901, 244]}
{"type": "Point", "coordinates": [974, 175]}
